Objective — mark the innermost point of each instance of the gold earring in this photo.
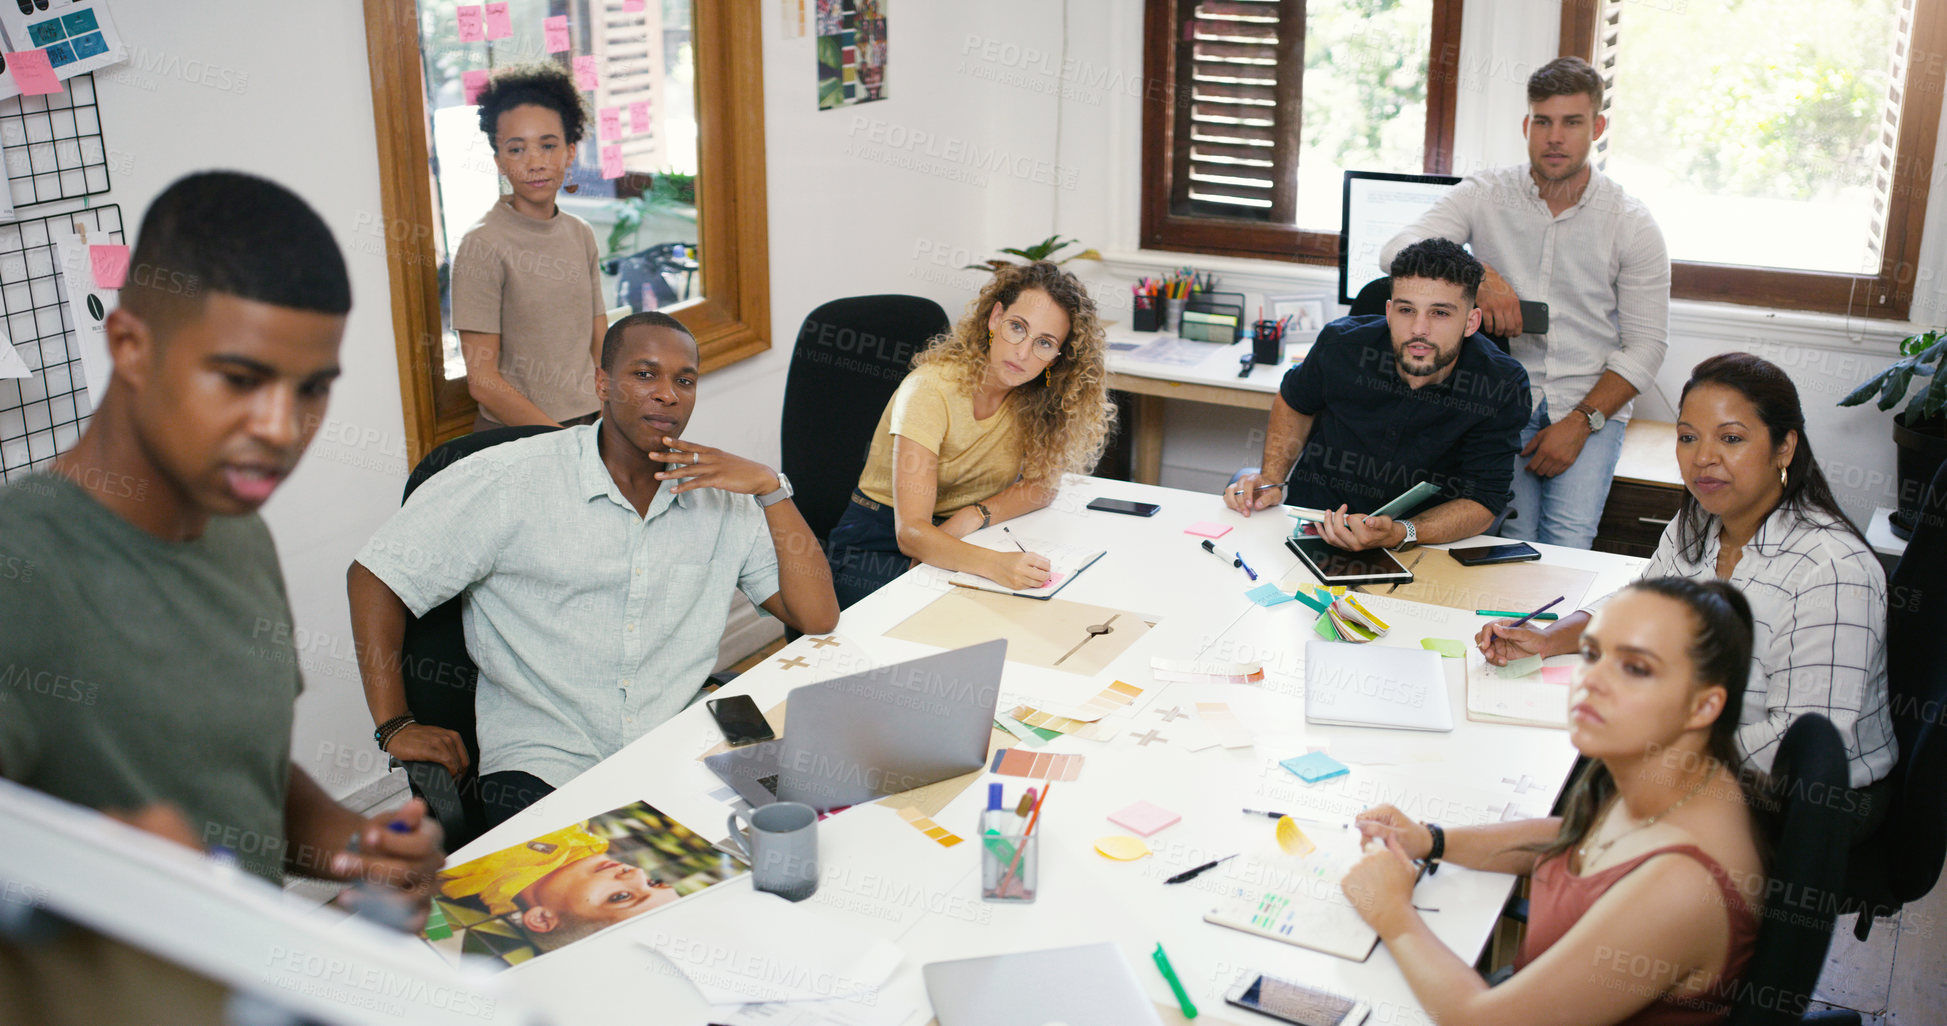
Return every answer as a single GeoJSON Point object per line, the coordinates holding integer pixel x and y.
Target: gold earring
{"type": "Point", "coordinates": [1784, 479]}
{"type": "Point", "coordinates": [1048, 376]}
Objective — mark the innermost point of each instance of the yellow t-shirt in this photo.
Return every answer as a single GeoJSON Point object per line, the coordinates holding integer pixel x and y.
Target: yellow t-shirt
{"type": "Point", "coordinates": [977, 457]}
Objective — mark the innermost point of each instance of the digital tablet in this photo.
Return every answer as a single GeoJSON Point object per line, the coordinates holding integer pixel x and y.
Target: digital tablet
{"type": "Point", "coordinates": [1333, 565]}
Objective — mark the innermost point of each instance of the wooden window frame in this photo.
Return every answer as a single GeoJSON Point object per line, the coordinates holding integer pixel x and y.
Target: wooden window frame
{"type": "Point", "coordinates": [1888, 294]}
{"type": "Point", "coordinates": [1164, 230]}
{"type": "Point", "coordinates": [733, 319]}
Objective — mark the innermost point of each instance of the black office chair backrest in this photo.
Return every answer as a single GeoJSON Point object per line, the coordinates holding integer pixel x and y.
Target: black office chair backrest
{"type": "Point", "coordinates": [1795, 926]}
{"type": "Point", "coordinates": [1371, 302]}
{"type": "Point", "coordinates": [1901, 861]}
{"type": "Point", "coordinates": [439, 674]}
{"type": "Point", "coordinates": [850, 357]}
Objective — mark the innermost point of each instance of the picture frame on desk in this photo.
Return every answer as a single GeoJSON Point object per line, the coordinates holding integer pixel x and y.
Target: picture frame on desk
{"type": "Point", "coordinates": [1307, 315]}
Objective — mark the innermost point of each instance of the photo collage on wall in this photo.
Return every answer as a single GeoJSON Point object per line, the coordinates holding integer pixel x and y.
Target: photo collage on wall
{"type": "Point", "coordinates": [851, 52]}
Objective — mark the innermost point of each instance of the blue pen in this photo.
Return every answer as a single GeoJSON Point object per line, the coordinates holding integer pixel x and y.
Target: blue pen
{"type": "Point", "coordinates": [1246, 566]}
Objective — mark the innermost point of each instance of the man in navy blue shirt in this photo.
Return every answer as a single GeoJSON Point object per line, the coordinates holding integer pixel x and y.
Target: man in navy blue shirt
{"type": "Point", "coordinates": [1383, 403]}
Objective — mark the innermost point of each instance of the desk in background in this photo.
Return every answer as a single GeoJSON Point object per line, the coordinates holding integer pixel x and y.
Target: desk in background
{"type": "Point", "coordinates": [1153, 568]}
{"type": "Point", "coordinates": [1646, 493]}
{"type": "Point", "coordinates": [1211, 380]}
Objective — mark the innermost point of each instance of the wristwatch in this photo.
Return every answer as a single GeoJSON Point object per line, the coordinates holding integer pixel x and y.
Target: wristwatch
{"type": "Point", "coordinates": [1412, 536]}
{"type": "Point", "coordinates": [1592, 415]}
{"type": "Point", "coordinates": [1439, 849]}
{"type": "Point", "coordinates": [783, 492]}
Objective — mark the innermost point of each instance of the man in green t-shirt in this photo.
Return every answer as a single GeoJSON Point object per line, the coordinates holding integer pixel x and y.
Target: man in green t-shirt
{"type": "Point", "coordinates": [146, 661]}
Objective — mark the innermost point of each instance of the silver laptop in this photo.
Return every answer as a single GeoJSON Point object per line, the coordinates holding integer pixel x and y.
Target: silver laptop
{"type": "Point", "coordinates": [1089, 985]}
{"type": "Point", "coordinates": [1375, 686]}
{"type": "Point", "coordinates": [853, 739]}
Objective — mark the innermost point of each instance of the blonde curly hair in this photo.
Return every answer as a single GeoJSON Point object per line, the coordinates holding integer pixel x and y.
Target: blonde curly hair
{"type": "Point", "coordinates": [1065, 415]}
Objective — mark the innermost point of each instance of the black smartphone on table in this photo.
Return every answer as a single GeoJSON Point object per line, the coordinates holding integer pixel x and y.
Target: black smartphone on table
{"type": "Point", "coordinates": [1132, 508]}
{"type": "Point", "coordinates": [740, 720]}
{"type": "Point", "coordinates": [1488, 555]}
{"type": "Point", "coordinates": [1295, 1002]}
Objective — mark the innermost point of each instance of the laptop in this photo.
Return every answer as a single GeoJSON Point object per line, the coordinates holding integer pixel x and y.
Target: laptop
{"type": "Point", "coordinates": [1375, 686]}
{"type": "Point", "coordinates": [856, 738]}
{"type": "Point", "coordinates": [1089, 985]}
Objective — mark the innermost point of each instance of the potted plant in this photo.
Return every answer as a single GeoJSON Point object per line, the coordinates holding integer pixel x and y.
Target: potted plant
{"type": "Point", "coordinates": [1920, 430]}
{"type": "Point", "coordinates": [1043, 250]}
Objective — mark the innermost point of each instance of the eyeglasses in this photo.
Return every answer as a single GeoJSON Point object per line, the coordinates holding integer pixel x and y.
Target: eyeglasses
{"type": "Point", "coordinates": [1014, 331]}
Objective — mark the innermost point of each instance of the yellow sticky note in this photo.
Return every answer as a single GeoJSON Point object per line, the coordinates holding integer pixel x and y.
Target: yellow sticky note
{"type": "Point", "coordinates": [1447, 647]}
{"type": "Point", "coordinates": [1292, 839]}
{"type": "Point", "coordinates": [1121, 847]}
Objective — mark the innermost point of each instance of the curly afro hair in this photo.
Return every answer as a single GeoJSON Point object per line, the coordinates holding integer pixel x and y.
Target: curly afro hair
{"type": "Point", "coordinates": [544, 84]}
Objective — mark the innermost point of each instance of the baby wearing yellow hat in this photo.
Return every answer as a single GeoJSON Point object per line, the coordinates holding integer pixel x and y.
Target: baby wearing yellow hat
{"type": "Point", "coordinates": [562, 884]}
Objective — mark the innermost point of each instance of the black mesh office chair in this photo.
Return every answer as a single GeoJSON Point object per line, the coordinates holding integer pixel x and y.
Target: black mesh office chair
{"type": "Point", "coordinates": [1901, 861]}
{"type": "Point", "coordinates": [642, 278]}
{"type": "Point", "coordinates": [850, 357]}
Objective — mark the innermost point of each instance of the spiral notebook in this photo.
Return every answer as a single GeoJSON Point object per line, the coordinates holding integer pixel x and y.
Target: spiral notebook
{"type": "Point", "coordinates": [1064, 562]}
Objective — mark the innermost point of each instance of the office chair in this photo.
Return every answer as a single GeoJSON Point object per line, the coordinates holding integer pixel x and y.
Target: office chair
{"type": "Point", "coordinates": [850, 357]}
{"type": "Point", "coordinates": [440, 675]}
{"type": "Point", "coordinates": [1901, 861]}
{"type": "Point", "coordinates": [1371, 302]}
{"type": "Point", "coordinates": [1795, 926]}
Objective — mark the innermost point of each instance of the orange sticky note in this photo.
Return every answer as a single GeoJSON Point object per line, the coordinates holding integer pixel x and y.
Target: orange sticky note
{"type": "Point", "coordinates": [110, 264]}
{"type": "Point", "coordinates": [32, 73]}
{"type": "Point", "coordinates": [612, 161]}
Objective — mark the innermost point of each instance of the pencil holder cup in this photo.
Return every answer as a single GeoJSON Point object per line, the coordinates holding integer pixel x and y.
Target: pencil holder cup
{"type": "Point", "coordinates": [1173, 315]}
{"type": "Point", "coordinates": [1009, 867]}
{"type": "Point", "coordinates": [1143, 315]}
{"type": "Point", "coordinates": [1267, 343]}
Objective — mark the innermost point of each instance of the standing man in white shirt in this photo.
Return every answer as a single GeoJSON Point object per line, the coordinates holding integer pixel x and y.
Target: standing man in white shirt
{"type": "Point", "coordinates": [1559, 232]}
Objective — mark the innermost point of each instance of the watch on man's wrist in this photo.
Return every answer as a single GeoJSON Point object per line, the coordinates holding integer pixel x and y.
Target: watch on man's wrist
{"type": "Point", "coordinates": [1439, 849]}
{"type": "Point", "coordinates": [783, 492]}
{"type": "Point", "coordinates": [1592, 415]}
{"type": "Point", "coordinates": [1412, 536]}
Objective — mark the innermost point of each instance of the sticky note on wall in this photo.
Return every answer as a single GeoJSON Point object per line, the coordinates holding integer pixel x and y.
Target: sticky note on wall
{"type": "Point", "coordinates": [473, 23]}
{"type": "Point", "coordinates": [500, 25]}
{"type": "Point", "coordinates": [109, 264]}
{"type": "Point", "coordinates": [557, 33]}
{"type": "Point", "coordinates": [33, 73]}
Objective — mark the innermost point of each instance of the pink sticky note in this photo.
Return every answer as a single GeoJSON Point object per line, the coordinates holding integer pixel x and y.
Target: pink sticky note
{"type": "Point", "coordinates": [639, 115]}
{"type": "Point", "coordinates": [557, 32]}
{"type": "Point", "coordinates": [1143, 818]}
{"type": "Point", "coordinates": [612, 161]}
{"type": "Point", "coordinates": [500, 25]}
{"type": "Point", "coordinates": [472, 83]}
{"type": "Point", "coordinates": [1206, 529]}
{"type": "Point", "coordinates": [1558, 675]}
{"type": "Point", "coordinates": [110, 264]}
{"type": "Point", "coordinates": [473, 27]}
{"type": "Point", "coordinates": [586, 79]}
{"type": "Point", "coordinates": [611, 122]}
{"type": "Point", "coordinates": [634, 6]}
{"type": "Point", "coordinates": [32, 73]}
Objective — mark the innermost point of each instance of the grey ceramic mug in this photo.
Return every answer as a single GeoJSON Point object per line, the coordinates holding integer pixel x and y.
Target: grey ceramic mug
{"type": "Point", "coordinates": [781, 844]}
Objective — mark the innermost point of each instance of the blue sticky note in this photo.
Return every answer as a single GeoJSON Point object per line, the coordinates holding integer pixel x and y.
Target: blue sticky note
{"type": "Point", "coordinates": [1267, 595]}
{"type": "Point", "coordinates": [1313, 767]}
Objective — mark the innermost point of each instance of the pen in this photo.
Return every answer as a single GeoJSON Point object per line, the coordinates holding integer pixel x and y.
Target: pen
{"type": "Point", "coordinates": [1010, 537]}
{"type": "Point", "coordinates": [1536, 613]}
{"type": "Point", "coordinates": [1247, 566]}
{"type": "Point", "coordinates": [1503, 612]}
{"type": "Point", "coordinates": [1176, 985]}
{"type": "Point", "coordinates": [1341, 824]}
{"type": "Point", "coordinates": [1192, 874]}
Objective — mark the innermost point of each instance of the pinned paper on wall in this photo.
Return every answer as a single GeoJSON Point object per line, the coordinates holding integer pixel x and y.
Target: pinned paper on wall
{"type": "Point", "coordinates": [587, 79]}
{"type": "Point", "coordinates": [33, 73]}
{"type": "Point", "coordinates": [11, 365]}
{"type": "Point", "coordinates": [473, 83]}
{"type": "Point", "coordinates": [1013, 762]}
{"type": "Point", "coordinates": [612, 161]}
{"type": "Point", "coordinates": [110, 264]}
{"type": "Point", "coordinates": [639, 115]}
{"type": "Point", "coordinates": [611, 123]}
{"type": "Point", "coordinates": [473, 23]}
{"type": "Point", "coordinates": [1205, 671]}
{"type": "Point", "coordinates": [556, 29]}
{"type": "Point", "coordinates": [1231, 732]}
{"type": "Point", "coordinates": [500, 24]}
{"type": "Point", "coordinates": [76, 37]}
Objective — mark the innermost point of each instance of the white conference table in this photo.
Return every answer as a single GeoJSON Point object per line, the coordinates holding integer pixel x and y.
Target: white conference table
{"type": "Point", "coordinates": [881, 875]}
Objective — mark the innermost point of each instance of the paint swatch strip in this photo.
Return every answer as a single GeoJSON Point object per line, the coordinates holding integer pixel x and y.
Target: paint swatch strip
{"type": "Point", "coordinates": [1202, 672]}
{"type": "Point", "coordinates": [1067, 725]}
{"type": "Point", "coordinates": [941, 835]}
{"type": "Point", "coordinates": [1231, 732]}
{"type": "Point", "coordinates": [1016, 762]}
{"type": "Point", "coordinates": [1014, 726]}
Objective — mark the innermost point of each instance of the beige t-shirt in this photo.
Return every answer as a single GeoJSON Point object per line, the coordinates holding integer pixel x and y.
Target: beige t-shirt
{"type": "Point", "coordinates": [535, 284]}
{"type": "Point", "coordinates": [977, 457]}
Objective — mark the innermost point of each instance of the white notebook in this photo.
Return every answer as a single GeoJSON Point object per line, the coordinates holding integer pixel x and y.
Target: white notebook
{"type": "Point", "coordinates": [1064, 561]}
{"type": "Point", "coordinates": [1375, 686]}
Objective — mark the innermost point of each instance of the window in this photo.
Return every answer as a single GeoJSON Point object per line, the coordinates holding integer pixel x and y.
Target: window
{"type": "Point", "coordinates": [683, 118]}
{"type": "Point", "coordinates": [1784, 146]}
{"type": "Point", "coordinates": [1268, 102]}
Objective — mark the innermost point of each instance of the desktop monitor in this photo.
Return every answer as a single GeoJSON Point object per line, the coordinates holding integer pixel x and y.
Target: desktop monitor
{"type": "Point", "coordinates": [1378, 205]}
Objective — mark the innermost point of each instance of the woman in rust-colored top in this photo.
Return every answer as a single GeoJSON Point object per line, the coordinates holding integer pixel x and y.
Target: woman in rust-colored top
{"type": "Point", "coordinates": [1643, 908]}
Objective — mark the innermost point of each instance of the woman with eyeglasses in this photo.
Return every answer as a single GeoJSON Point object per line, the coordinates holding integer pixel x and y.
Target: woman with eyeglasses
{"type": "Point", "coordinates": [981, 431]}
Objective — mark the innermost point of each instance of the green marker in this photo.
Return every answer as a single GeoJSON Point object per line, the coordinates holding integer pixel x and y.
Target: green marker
{"type": "Point", "coordinates": [1503, 612]}
{"type": "Point", "coordinates": [1176, 986]}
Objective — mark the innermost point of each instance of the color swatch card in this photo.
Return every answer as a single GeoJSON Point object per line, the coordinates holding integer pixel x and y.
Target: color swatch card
{"type": "Point", "coordinates": [1085, 729]}
{"type": "Point", "coordinates": [1112, 699]}
{"type": "Point", "coordinates": [1200, 671]}
{"type": "Point", "coordinates": [940, 835]}
{"type": "Point", "coordinates": [1014, 762]}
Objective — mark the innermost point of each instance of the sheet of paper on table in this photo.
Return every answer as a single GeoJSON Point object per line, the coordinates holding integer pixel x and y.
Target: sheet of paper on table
{"type": "Point", "coordinates": [749, 946]}
{"type": "Point", "coordinates": [1056, 633]}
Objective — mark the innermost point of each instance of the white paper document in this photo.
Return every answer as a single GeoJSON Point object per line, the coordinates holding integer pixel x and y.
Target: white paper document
{"type": "Point", "coordinates": [749, 946]}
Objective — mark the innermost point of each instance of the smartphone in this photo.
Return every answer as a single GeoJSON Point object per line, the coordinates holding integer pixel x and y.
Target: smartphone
{"type": "Point", "coordinates": [1487, 555]}
{"type": "Point", "coordinates": [1534, 317]}
{"type": "Point", "coordinates": [1134, 509]}
{"type": "Point", "coordinates": [740, 720]}
{"type": "Point", "coordinates": [1295, 1003]}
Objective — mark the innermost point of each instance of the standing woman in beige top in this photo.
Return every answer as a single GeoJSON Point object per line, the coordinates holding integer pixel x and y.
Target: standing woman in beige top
{"type": "Point", "coordinates": [527, 296]}
{"type": "Point", "coordinates": [993, 413]}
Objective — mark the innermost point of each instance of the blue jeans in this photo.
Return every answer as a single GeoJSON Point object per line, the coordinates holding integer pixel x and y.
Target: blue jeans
{"type": "Point", "coordinates": [864, 551]}
{"type": "Point", "coordinates": [1567, 508]}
